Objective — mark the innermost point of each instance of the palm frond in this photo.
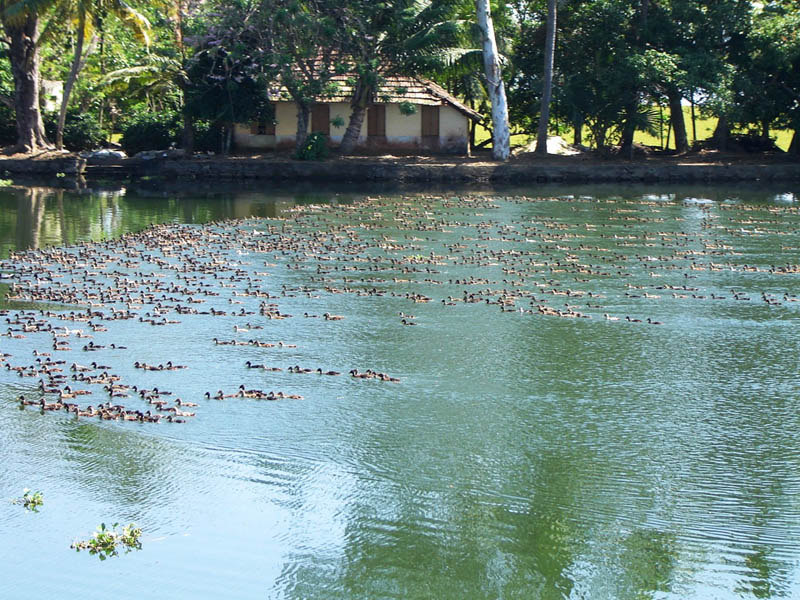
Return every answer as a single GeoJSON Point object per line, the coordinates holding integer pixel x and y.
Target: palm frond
{"type": "Point", "coordinates": [136, 20]}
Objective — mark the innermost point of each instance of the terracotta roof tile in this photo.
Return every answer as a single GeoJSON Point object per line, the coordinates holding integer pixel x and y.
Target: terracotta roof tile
{"type": "Point", "coordinates": [392, 90]}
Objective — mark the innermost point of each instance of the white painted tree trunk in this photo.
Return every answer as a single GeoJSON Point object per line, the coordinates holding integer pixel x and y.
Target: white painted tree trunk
{"type": "Point", "coordinates": [547, 88]}
{"type": "Point", "coordinates": [501, 138]}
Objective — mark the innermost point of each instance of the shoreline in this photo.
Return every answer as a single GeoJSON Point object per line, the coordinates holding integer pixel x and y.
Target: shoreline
{"type": "Point", "coordinates": [456, 170]}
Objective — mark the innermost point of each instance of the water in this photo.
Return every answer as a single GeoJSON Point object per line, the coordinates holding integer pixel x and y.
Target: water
{"type": "Point", "coordinates": [520, 456]}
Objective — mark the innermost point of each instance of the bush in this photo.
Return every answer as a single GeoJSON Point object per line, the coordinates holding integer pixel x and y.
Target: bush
{"type": "Point", "coordinates": [207, 137]}
{"type": "Point", "coordinates": [8, 126]}
{"type": "Point", "coordinates": [314, 148]}
{"type": "Point", "coordinates": [147, 131]}
{"type": "Point", "coordinates": [81, 130]}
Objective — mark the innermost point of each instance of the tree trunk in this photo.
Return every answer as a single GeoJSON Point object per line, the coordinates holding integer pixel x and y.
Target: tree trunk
{"type": "Point", "coordinates": [628, 130]}
{"type": "Point", "coordinates": [501, 138]}
{"type": "Point", "coordinates": [600, 138]}
{"type": "Point", "coordinates": [24, 55]}
{"type": "Point", "coordinates": [549, 56]}
{"type": "Point", "coordinates": [187, 135]}
{"type": "Point", "coordinates": [187, 140]}
{"type": "Point", "coordinates": [629, 127]}
{"type": "Point", "coordinates": [71, 78]}
{"type": "Point", "coordinates": [359, 104]}
{"type": "Point", "coordinates": [577, 131]}
{"type": "Point", "coordinates": [302, 127]}
{"type": "Point", "coordinates": [721, 134]}
{"type": "Point", "coordinates": [677, 121]}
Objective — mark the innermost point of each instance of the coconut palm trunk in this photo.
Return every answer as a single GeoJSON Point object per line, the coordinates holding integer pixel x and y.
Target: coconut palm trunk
{"type": "Point", "coordinates": [501, 138]}
{"type": "Point", "coordinates": [78, 61]}
{"type": "Point", "coordinates": [361, 100]}
{"type": "Point", "coordinates": [549, 57]}
{"type": "Point", "coordinates": [23, 35]}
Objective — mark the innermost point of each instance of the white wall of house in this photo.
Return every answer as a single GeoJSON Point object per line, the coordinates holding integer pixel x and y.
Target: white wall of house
{"type": "Point", "coordinates": [403, 131]}
{"type": "Point", "coordinates": [453, 130]}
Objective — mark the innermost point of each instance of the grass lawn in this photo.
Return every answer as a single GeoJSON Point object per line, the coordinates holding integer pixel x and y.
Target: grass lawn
{"type": "Point", "coordinates": [705, 128]}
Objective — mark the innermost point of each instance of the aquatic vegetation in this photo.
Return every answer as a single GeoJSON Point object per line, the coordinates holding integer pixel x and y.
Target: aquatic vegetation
{"type": "Point", "coordinates": [104, 542]}
{"type": "Point", "coordinates": [30, 500]}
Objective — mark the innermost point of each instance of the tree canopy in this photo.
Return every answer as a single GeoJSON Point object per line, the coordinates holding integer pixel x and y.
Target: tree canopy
{"type": "Point", "coordinates": [613, 69]}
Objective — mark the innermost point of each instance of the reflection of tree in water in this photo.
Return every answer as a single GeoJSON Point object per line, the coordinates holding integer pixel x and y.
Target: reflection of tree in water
{"type": "Point", "coordinates": [401, 541]}
{"type": "Point", "coordinates": [768, 577]}
{"type": "Point", "coordinates": [646, 564]}
{"type": "Point", "coordinates": [121, 467]}
{"type": "Point", "coordinates": [30, 212]}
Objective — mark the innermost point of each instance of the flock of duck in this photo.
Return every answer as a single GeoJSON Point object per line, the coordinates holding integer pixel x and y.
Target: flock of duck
{"type": "Point", "coordinates": [573, 263]}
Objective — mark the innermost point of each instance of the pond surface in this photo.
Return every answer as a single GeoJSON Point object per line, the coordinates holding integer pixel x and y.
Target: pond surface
{"type": "Point", "coordinates": [532, 448]}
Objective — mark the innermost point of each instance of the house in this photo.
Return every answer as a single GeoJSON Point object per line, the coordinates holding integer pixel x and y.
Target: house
{"type": "Point", "coordinates": [409, 116]}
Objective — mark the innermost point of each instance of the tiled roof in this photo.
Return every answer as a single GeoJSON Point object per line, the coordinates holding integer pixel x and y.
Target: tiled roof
{"type": "Point", "coordinates": [392, 90]}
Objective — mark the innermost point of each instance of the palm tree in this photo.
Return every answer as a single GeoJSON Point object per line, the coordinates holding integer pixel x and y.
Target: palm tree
{"type": "Point", "coordinates": [21, 22]}
{"type": "Point", "coordinates": [399, 37]}
{"type": "Point", "coordinates": [88, 12]}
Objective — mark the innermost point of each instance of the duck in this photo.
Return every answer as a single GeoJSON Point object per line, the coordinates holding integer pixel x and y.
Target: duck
{"type": "Point", "coordinates": [150, 418]}
{"type": "Point", "coordinates": [330, 317]}
{"type": "Point", "coordinates": [89, 412]}
{"type": "Point", "coordinates": [180, 402]}
{"type": "Point", "coordinates": [57, 405]}
{"type": "Point", "coordinates": [321, 372]}
{"type": "Point", "coordinates": [23, 402]}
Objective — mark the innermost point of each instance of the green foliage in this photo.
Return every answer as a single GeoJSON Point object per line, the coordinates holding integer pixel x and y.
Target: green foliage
{"type": "Point", "coordinates": [30, 500]}
{"type": "Point", "coordinates": [407, 108]}
{"type": "Point", "coordinates": [207, 136]}
{"type": "Point", "coordinates": [148, 131]}
{"type": "Point", "coordinates": [314, 148]}
{"type": "Point", "coordinates": [82, 131]}
{"type": "Point", "coordinates": [338, 121]}
{"type": "Point", "coordinates": [8, 126]}
{"type": "Point", "coordinates": [104, 542]}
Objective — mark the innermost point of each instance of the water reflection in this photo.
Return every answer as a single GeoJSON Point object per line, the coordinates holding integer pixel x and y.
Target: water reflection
{"type": "Point", "coordinates": [521, 456]}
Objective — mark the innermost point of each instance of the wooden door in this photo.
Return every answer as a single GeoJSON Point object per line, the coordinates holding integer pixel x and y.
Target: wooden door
{"type": "Point", "coordinates": [376, 120]}
{"type": "Point", "coordinates": [321, 119]}
{"type": "Point", "coordinates": [430, 123]}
